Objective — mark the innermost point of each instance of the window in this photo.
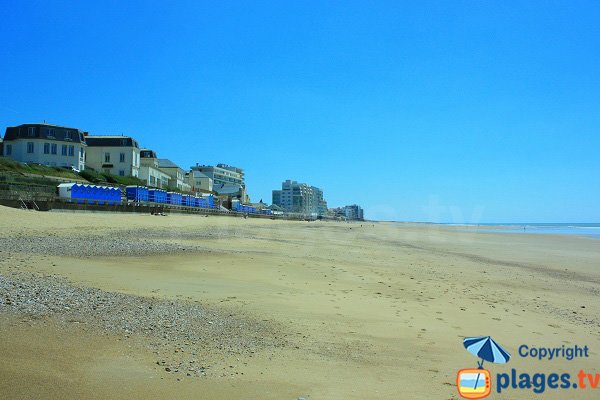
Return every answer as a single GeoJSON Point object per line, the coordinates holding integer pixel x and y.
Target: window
{"type": "Point", "coordinates": [71, 150]}
{"type": "Point", "coordinates": [121, 173]}
{"type": "Point", "coordinates": [46, 148]}
{"type": "Point", "coordinates": [30, 147]}
{"type": "Point", "coordinates": [122, 157]}
{"type": "Point", "coordinates": [63, 150]}
{"type": "Point", "coordinates": [51, 132]}
{"type": "Point", "coordinates": [31, 131]}
{"type": "Point", "coordinates": [68, 135]}
{"type": "Point", "coordinates": [106, 157]}
{"type": "Point", "coordinates": [8, 149]}
{"type": "Point", "coordinates": [54, 146]}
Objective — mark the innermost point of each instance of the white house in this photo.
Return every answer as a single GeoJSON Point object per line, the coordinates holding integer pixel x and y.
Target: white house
{"type": "Point", "coordinates": [116, 155]}
{"type": "Point", "coordinates": [46, 144]}
{"type": "Point", "coordinates": [149, 171]}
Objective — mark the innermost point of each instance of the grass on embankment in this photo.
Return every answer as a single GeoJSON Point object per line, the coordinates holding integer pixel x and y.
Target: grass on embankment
{"type": "Point", "coordinates": [9, 166]}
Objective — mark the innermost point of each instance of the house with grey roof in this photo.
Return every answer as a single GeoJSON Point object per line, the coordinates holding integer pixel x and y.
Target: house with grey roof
{"type": "Point", "coordinates": [116, 155]}
{"type": "Point", "coordinates": [46, 144]}
{"type": "Point", "coordinates": [176, 174]}
{"type": "Point", "coordinates": [199, 181]}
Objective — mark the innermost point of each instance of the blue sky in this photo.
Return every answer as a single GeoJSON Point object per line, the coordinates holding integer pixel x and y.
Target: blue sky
{"type": "Point", "coordinates": [424, 111]}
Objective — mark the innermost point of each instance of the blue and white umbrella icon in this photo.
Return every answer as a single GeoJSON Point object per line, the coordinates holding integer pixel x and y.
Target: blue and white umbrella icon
{"type": "Point", "coordinates": [487, 349]}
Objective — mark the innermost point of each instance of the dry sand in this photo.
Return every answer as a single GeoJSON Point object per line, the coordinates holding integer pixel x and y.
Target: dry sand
{"type": "Point", "coordinates": [367, 311]}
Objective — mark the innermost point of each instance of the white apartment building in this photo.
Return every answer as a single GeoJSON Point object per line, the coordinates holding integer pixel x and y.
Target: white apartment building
{"type": "Point", "coordinates": [116, 155]}
{"type": "Point", "coordinates": [226, 180]}
{"type": "Point", "coordinates": [46, 144]}
{"type": "Point", "coordinates": [222, 174]}
{"type": "Point", "coordinates": [300, 198]}
{"type": "Point", "coordinates": [354, 212]}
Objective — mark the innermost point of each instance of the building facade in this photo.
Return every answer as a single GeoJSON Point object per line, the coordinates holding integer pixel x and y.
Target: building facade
{"type": "Point", "coordinates": [226, 180]}
{"type": "Point", "coordinates": [199, 181]}
{"type": "Point", "coordinates": [300, 198]}
{"type": "Point", "coordinates": [116, 155]}
{"type": "Point", "coordinates": [46, 144]}
{"type": "Point", "coordinates": [176, 174]}
{"type": "Point", "coordinates": [149, 171]}
{"type": "Point", "coordinates": [222, 174]}
{"type": "Point", "coordinates": [354, 212]}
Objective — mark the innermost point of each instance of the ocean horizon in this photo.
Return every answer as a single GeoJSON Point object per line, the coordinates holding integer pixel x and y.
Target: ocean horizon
{"type": "Point", "coordinates": [588, 229]}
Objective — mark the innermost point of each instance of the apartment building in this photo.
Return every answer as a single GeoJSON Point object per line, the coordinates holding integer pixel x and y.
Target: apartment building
{"type": "Point", "coordinates": [354, 212]}
{"type": "Point", "coordinates": [300, 198]}
{"type": "Point", "coordinates": [226, 180]}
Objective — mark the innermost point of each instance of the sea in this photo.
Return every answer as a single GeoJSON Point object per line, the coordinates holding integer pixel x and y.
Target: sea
{"type": "Point", "coordinates": [581, 229]}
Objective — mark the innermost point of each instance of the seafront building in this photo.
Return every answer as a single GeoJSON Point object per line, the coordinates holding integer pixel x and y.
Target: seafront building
{"type": "Point", "coordinates": [116, 155]}
{"type": "Point", "coordinates": [222, 174]}
{"type": "Point", "coordinates": [176, 174]}
{"type": "Point", "coordinates": [150, 172]}
{"type": "Point", "coordinates": [300, 198]}
{"type": "Point", "coordinates": [199, 181]}
{"type": "Point", "coordinates": [46, 144]}
{"type": "Point", "coordinates": [354, 212]}
{"type": "Point", "coordinates": [227, 181]}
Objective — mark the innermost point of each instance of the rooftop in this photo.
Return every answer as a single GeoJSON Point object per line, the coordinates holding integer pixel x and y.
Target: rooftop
{"type": "Point", "coordinates": [147, 153]}
{"type": "Point", "coordinates": [45, 131]}
{"type": "Point", "coordinates": [111, 141]}
{"type": "Point", "coordinates": [166, 163]}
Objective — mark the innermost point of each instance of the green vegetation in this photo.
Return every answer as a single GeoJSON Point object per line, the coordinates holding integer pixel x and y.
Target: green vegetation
{"type": "Point", "coordinates": [9, 165]}
{"type": "Point", "coordinates": [44, 173]}
{"type": "Point", "coordinates": [102, 177]}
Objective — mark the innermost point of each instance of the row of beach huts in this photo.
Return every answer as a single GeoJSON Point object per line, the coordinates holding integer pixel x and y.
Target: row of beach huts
{"type": "Point", "coordinates": [137, 195]}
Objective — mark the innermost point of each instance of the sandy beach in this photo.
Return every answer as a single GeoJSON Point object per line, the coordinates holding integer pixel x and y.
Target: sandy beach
{"type": "Point", "coordinates": [279, 309]}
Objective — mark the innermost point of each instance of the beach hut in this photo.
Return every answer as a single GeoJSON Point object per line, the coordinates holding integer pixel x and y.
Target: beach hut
{"type": "Point", "coordinates": [68, 191]}
{"type": "Point", "coordinates": [174, 198]}
{"type": "Point", "coordinates": [157, 196]}
{"type": "Point", "coordinates": [137, 193]}
{"type": "Point", "coordinates": [113, 195]}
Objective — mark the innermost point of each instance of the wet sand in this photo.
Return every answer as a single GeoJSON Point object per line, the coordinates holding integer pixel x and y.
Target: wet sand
{"type": "Point", "coordinates": [371, 311]}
